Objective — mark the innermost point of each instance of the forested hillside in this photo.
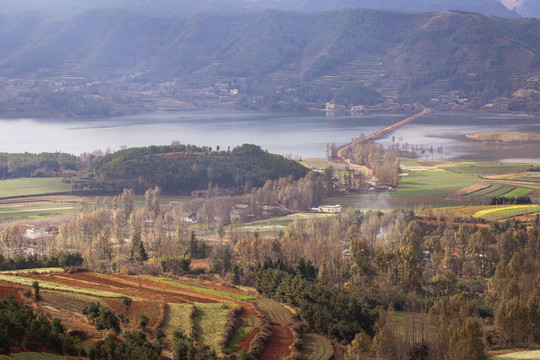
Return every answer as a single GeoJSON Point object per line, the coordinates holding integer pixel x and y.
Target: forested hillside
{"type": "Point", "coordinates": [181, 168]}
{"type": "Point", "coordinates": [271, 57]}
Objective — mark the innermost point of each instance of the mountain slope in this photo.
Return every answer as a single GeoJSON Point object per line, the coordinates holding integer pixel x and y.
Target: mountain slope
{"type": "Point", "coordinates": [188, 7]}
{"type": "Point", "coordinates": [527, 8]}
{"type": "Point", "coordinates": [409, 57]}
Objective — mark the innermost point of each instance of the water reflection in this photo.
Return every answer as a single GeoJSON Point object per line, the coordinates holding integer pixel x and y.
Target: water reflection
{"type": "Point", "coordinates": [440, 135]}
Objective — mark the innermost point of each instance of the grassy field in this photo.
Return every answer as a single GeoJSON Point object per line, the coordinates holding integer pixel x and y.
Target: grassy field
{"type": "Point", "coordinates": [23, 211]}
{"type": "Point", "coordinates": [32, 186]}
{"type": "Point", "coordinates": [484, 169]}
{"type": "Point", "coordinates": [522, 355]}
{"type": "Point", "coordinates": [202, 289]}
{"type": "Point", "coordinates": [209, 324]}
{"type": "Point", "coordinates": [38, 271]}
{"type": "Point", "coordinates": [178, 317]}
{"type": "Point", "coordinates": [273, 226]}
{"type": "Point", "coordinates": [519, 191]}
{"type": "Point", "coordinates": [418, 187]}
{"type": "Point", "coordinates": [40, 207]}
{"type": "Point", "coordinates": [430, 184]}
{"type": "Point", "coordinates": [33, 356]}
{"type": "Point", "coordinates": [503, 212]}
{"type": "Point", "coordinates": [402, 323]}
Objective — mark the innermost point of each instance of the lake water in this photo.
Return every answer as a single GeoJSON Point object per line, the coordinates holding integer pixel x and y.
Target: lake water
{"type": "Point", "coordinates": [304, 135]}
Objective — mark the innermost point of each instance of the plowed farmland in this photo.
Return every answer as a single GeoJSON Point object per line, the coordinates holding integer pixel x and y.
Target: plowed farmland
{"type": "Point", "coordinates": [198, 308]}
{"type": "Point", "coordinates": [317, 348]}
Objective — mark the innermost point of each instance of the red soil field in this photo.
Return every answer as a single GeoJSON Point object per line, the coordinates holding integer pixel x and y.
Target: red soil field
{"type": "Point", "coordinates": [13, 289]}
{"type": "Point", "coordinates": [428, 163]}
{"type": "Point", "coordinates": [126, 290]}
{"type": "Point", "coordinates": [155, 286]}
{"type": "Point", "coordinates": [151, 309]}
{"type": "Point", "coordinates": [279, 343]}
{"type": "Point", "coordinates": [246, 340]}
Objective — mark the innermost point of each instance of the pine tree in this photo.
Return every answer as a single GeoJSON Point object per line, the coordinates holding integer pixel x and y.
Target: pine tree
{"type": "Point", "coordinates": [142, 256]}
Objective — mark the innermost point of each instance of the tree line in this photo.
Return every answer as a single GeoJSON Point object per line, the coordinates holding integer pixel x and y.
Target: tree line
{"type": "Point", "coordinates": [35, 165]}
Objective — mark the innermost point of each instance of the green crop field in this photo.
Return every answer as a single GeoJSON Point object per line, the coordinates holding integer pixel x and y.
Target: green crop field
{"type": "Point", "coordinates": [273, 226]}
{"type": "Point", "coordinates": [32, 186]}
{"type": "Point", "coordinates": [503, 191]}
{"type": "Point", "coordinates": [209, 324]}
{"type": "Point", "coordinates": [484, 169]}
{"type": "Point", "coordinates": [487, 192]}
{"type": "Point", "coordinates": [418, 187]}
{"type": "Point", "coordinates": [238, 335]}
{"type": "Point", "coordinates": [503, 212]}
{"type": "Point", "coordinates": [317, 347]}
{"type": "Point", "coordinates": [519, 191]}
{"type": "Point", "coordinates": [276, 313]}
{"type": "Point", "coordinates": [22, 211]}
{"type": "Point", "coordinates": [178, 317]}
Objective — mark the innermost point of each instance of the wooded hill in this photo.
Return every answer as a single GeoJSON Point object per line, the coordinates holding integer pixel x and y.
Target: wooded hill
{"type": "Point", "coordinates": [409, 57]}
{"type": "Point", "coordinates": [181, 168]}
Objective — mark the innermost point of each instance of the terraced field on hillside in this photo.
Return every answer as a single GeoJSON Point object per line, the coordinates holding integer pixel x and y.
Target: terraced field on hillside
{"type": "Point", "coordinates": [199, 309]}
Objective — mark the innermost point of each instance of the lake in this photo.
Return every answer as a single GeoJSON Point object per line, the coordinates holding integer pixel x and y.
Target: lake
{"type": "Point", "coordinates": [303, 135]}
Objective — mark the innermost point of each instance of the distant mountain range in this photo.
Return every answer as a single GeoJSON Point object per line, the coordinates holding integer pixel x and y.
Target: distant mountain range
{"type": "Point", "coordinates": [502, 8]}
{"type": "Point", "coordinates": [526, 8]}
{"type": "Point", "coordinates": [408, 57]}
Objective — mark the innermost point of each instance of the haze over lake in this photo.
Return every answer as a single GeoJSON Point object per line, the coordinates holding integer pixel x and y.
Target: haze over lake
{"type": "Point", "coordinates": [304, 135]}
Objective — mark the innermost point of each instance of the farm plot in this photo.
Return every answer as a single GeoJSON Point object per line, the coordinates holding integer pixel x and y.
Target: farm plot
{"type": "Point", "coordinates": [522, 355]}
{"type": "Point", "coordinates": [276, 313]}
{"type": "Point", "coordinates": [226, 293]}
{"type": "Point", "coordinates": [148, 289]}
{"type": "Point", "coordinates": [519, 191]}
{"type": "Point", "coordinates": [33, 356]}
{"type": "Point", "coordinates": [209, 325]}
{"type": "Point", "coordinates": [487, 191]}
{"type": "Point", "coordinates": [504, 212]}
{"type": "Point", "coordinates": [317, 348]}
{"type": "Point", "coordinates": [279, 344]}
{"type": "Point", "coordinates": [240, 333]}
{"type": "Point", "coordinates": [503, 191]}
{"type": "Point", "coordinates": [32, 186]}
{"type": "Point", "coordinates": [484, 169]}
{"type": "Point", "coordinates": [470, 190]}
{"type": "Point", "coordinates": [10, 289]}
{"type": "Point", "coordinates": [51, 283]}
{"type": "Point", "coordinates": [281, 338]}
{"type": "Point", "coordinates": [178, 317]}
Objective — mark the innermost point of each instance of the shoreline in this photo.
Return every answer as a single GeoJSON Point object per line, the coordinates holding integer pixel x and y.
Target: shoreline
{"type": "Point", "coordinates": [51, 114]}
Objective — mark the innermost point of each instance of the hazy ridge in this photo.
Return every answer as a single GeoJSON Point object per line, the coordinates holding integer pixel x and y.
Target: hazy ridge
{"type": "Point", "coordinates": [402, 56]}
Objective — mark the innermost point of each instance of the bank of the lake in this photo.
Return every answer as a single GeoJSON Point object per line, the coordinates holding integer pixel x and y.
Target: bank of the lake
{"type": "Point", "coordinates": [439, 136]}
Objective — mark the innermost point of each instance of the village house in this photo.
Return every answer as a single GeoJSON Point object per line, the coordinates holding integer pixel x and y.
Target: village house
{"type": "Point", "coordinates": [331, 209]}
{"type": "Point", "coordinates": [36, 233]}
